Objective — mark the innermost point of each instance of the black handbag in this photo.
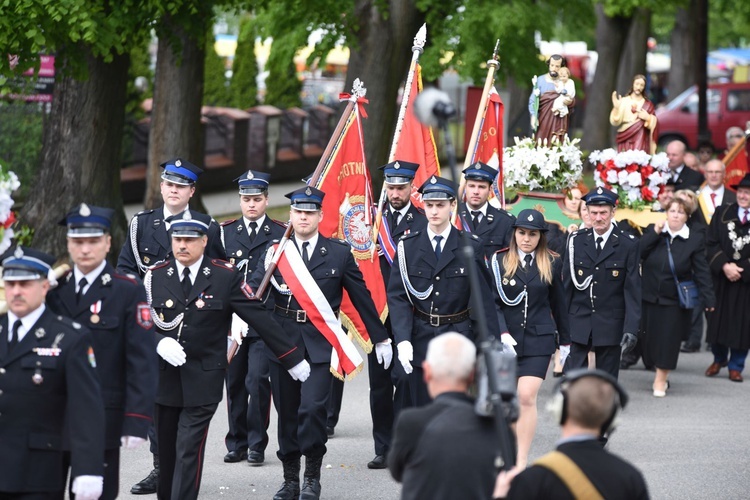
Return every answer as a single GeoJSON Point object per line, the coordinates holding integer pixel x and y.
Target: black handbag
{"type": "Point", "coordinates": [687, 291]}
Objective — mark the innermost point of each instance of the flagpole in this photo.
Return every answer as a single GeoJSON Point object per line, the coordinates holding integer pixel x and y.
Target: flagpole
{"type": "Point", "coordinates": [419, 40]}
{"type": "Point", "coordinates": [471, 151]}
{"type": "Point", "coordinates": [358, 91]}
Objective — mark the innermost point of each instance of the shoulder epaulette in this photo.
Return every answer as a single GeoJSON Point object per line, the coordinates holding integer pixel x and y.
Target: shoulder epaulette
{"type": "Point", "coordinates": [223, 264]}
{"type": "Point", "coordinates": [159, 265]}
{"type": "Point", "coordinates": [410, 235]}
{"type": "Point", "coordinates": [339, 241]}
{"type": "Point", "coordinates": [503, 250]}
{"type": "Point", "coordinates": [279, 223]}
{"type": "Point", "coordinates": [227, 222]}
{"type": "Point", "coordinates": [144, 212]}
{"type": "Point", "coordinates": [420, 210]}
{"type": "Point", "coordinates": [126, 277]}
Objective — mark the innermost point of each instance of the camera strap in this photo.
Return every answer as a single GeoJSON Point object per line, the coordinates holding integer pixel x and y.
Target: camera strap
{"type": "Point", "coordinates": [569, 473]}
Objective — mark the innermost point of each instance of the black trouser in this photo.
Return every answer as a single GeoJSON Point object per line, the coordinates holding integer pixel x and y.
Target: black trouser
{"type": "Point", "coordinates": [335, 398]}
{"type": "Point", "coordinates": [182, 434]}
{"type": "Point", "coordinates": [607, 357]}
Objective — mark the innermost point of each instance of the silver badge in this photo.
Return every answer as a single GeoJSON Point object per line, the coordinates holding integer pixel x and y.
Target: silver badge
{"type": "Point", "coordinates": [206, 271]}
{"type": "Point", "coordinates": [433, 180]}
{"type": "Point", "coordinates": [18, 254]}
{"type": "Point", "coordinates": [239, 228]}
{"type": "Point", "coordinates": [106, 278]}
{"type": "Point", "coordinates": [266, 229]}
{"type": "Point", "coordinates": [39, 333]}
{"type": "Point", "coordinates": [84, 211]}
{"type": "Point", "coordinates": [249, 174]}
{"type": "Point", "coordinates": [599, 191]}
{"type": "Point", "coordinates": [239, 253]}
{"type": "Point", "coordinates": [512, 282]}
{"type": "Point", "coordinates": [308, 191]}
{"type": "Point", "coordinates": [531, 218]}
{"type": "Point", "coordinates": [396, 165]}
{"type": "Point", "coordinates": [333, 271]}
{"type": "Point", "coordinates": [170, 271]}
{"type": "Point", "coordinates": [323, 251]}
{"type": "Point", "coordinates": [178, 163]}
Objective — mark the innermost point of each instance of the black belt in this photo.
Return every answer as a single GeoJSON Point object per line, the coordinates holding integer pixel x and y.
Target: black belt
{"type": "Point", "coordinates": [299, 315]}
{"type": "Point", "coordinates": [442, 319]}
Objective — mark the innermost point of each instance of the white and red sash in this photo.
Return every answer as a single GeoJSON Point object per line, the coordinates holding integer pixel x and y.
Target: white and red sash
{"type": "Point", "coordinates": [345, 359]}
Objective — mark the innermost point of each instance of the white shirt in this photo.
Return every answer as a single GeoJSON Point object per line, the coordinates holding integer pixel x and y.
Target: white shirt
{"type": "Point", "coordinates": [522, 255]}
{"type": "Point", "coordinates": [167, 214]}
{"type": "Point", "coordinates": [482, 210]}
{"type": "Point", "coordinates": [706, 195]}
{"type": "Point", "coordinates": [194, 268]}
{"type": "Point", "coordinates": [676, 172]}
{"type": "Point", "coordinates": [402, 212]}
{"type": "Point", "coordinates": [90, 277]}
{"type": "Point", "coordinates": [604, 236]}
{"type": "Point", "coordinates": [27, 322]}
{"type": "Point", "coordinates": [260, 221]}
{"type": "Point", "coordinates": [444, 234]}
{"type": "Point", "coordinates": [741, 213]}
{"type": "Point", "coordinates": [313, 242]}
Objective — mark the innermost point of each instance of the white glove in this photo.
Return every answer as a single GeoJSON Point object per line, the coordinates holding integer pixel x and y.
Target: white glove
{"type": "Point", "coordinates": [300, 371]}
{"type": "Point", "coordinates": [88, 487]}
{"type": "Point", "coordinates": [172, 352]}
{"type": "Point", "coordinates": [384, 353]}
{"type": "Point", "coordinates": [564, 353]}
{"type": "Point", "coordinates": [508, 343]}
{"type": "Point", "coordinates": [238, 329]}
{"type": "Point", "coordinates": [131, 442]}
{"type": "Point", "coordinates": [406, 355]}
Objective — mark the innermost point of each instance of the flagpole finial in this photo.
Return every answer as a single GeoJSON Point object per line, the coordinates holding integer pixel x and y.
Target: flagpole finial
{"type": "Point", "coordinates": [494, 61]}
{"type": "Point", "coordinates": [420, 39]}
{"type": "Point", "coordinates": [358, 89]}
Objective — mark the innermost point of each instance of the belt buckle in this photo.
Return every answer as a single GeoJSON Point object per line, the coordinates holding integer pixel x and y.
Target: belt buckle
{"type": "Point", "coordinates": [434, 320]}
{"type": "Point", "coordinates": [301, 316]}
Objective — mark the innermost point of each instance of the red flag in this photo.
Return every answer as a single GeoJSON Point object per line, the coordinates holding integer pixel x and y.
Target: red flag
{"type": "Point", "coordinates": [489, 147]}
{"type": "Point", "coordinates": [346, 215]}
{"type": "Point", "coordinates": [416, 142]}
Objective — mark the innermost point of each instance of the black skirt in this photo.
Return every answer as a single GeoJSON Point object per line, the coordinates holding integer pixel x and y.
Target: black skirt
{"type": "Point", "coordinates": [533, 366]}
{"type": "Point", "coordinates": [663, 328]}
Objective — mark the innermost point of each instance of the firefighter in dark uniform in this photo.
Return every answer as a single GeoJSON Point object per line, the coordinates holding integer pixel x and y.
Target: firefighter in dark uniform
{"type": "Point", "coordinates": [428, 291]}
{"type": "Point", "coordinates": [603, 287]}
{"type": "Point", "coordinates": [302, 408]}
{"type": "Point", "coordinates": [493, 225]}
{"type": "Point", "coordinates": [148, 244]}
{"type": "Point", "coordinates": [48, 386]}
{"type": "Point", "coordinates": [113, 307]}
{"type": "Point", "coordinates": [248, 375]}
{"type": "Point", "coordinates": [192, 300]}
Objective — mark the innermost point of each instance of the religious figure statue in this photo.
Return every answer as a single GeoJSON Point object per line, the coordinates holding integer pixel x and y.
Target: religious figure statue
{"type": "Point", "coordinates": [547, 120]}
{"type": "Point", "coordinates": [635, 118]}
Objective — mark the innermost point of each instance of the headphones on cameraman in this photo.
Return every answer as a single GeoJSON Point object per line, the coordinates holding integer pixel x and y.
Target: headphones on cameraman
{"type": "Point", "coordinates": [558, 406]}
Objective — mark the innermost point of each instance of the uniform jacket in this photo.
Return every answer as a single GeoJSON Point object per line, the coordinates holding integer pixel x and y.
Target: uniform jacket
{"type": "Point", "coordinates": [689, 179]}
{"type": "Point", "coordinates": [414, 221]}
{"type": "Point", "coordinates": [546, 314]}
{"type": "Point", "coordinates": [450, 294]}
{"type": "Point", "coordinates": [123, 339]}
{"type": "Point", "coordinates": [334, 269]}
{"type": "Point", "coordinates": [444, 450]}
{"type": "Point", "coordinates": [217, 292]}
{"type": "Point", "coordinates": [154, 244]}
{"type": "Point", "coordinates": [32, 416]}
{"type": "Point", "coordinates": [495, 229]}
{"type": "Point", "coordinates": [690, 263]}
{"type": "Point", "coordinates": [719, 246]}
{"type": "Point", "coordinates": [244, 254]}
{"type": "Point", "coordinates": [703, 218]}
{"type": "Point", "coordinates": [613, 477]}
{"type": "Point", "coordinates": [613, 307]}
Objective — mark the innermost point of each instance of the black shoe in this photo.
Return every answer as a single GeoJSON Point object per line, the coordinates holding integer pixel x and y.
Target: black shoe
{"type": "Point", "coordinates": [256, 458]}
{"type": "Point", "coordinates": [311, 489]}
{"type": "Point", "coordinates": [288, 491]}
{"type": "Point", "coordinates": [148, 485]}
{"type": "Point", "coordinates": [329, 431]}
{"type": "Point", "coordinates": [689, 348]}
{"type": "Point", "coordinates": [379, 462]}
{"type": "Point", "coordinates": [235, 456]}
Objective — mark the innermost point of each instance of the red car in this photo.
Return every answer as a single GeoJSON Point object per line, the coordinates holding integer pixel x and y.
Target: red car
{"type": "Point", "coordinates": [728, 106]}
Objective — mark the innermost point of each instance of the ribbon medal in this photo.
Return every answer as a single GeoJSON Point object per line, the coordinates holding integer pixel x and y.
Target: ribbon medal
{"type": "Point", "coordinates": [95, 309]}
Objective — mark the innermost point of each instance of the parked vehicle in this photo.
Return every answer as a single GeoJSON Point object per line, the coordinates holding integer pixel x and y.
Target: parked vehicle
{"type": "Point", "coordinates": [728, 106]}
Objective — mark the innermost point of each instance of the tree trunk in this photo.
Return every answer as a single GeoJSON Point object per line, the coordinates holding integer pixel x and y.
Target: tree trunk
{"type": "Point", "coordinates": [610, 39]}
{"type": "Point", "coordinates": [683, 50]}
{"type": "Point", "coordinates": [380, 58]}
{"type": "Point", "coordinates": [80, 159]}
{"type": "Point", "coordinates": [633, 60]}
{"type": "Point", "coordinates": [176, 129]}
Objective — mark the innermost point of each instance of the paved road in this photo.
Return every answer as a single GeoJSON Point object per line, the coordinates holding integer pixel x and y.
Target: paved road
{"type": "Point", "coordinates": [693, 444]}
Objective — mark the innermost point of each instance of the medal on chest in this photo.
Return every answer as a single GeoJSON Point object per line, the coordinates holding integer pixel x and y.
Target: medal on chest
{"type": "Point", "coordinates": [95, 309]}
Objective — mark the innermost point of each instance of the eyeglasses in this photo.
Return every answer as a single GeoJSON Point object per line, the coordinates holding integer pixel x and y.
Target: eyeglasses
{"type": "Point", "coordinates": [736, 136]}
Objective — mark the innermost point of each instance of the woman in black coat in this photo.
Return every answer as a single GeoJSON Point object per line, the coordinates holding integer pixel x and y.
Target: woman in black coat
{"type": "Point", "coordinates": [528, 279]}
{"type": "Point", "coordinates": [663, 322]}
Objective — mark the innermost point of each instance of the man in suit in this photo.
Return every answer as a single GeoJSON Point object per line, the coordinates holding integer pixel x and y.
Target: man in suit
{"type": "Point", "coordinates": [445, 450]}
{"type": "Point", "coordinates": [113, 307]}
{"type": "Point", "coordinates": [712, 194]}
{"type": "Point", "coordinates": [192, 300]}
{"type": "Point", "coordinates": [248, 374]}
{"type": "Point", "coordinates": [429, 291]}
{"type": "Point", "coordinates": [389, 389]}
{"type": "Point", "coordinates": [586, 406]}
{"type": "Point", "coordinates": [493, 225]}
{"type": "Point", "coordinates": [325, 268]}
{"type": "Point", "coordinates": [48, 387]}
{"type": "Point", "coordinates": [603, 286]}
{"type": "Point", "coordinates": [683, 176]}
{"type": "Point", "coordinates": [148, 243]}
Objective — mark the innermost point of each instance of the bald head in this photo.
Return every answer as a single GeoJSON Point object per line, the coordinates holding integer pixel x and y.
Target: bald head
{"type": "Point", "coordinates": [715, 172]}
{"type": "Point", "coordinates": [676, 154]}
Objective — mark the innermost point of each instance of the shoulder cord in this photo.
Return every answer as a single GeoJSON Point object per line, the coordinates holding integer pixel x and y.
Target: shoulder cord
{"type": "Point", "coordinates": [587, 281]}
{"type": "Point", "coordinates": [134, 245]}
{"type": "Point", "coordinates": [405, 277]}
{"type": "Point", "coordinates": [269, 258]}
{"type": "Point", "coordinates": [500, 290]}
{"type": "Point", "coordinates": [149, 298]}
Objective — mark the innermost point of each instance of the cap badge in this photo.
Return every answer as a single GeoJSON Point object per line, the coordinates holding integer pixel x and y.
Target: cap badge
{"type": "Point", "coordinates": [178, 163]}
{"type": "Point", "coordinates": [308, 191]}
{"type": "Point", "coordinates": [397, 165]}
{"type": "Point", "coordinates": [531, 217]}
{"type": "Point", "coordinates": [84, 211]}
{"type": "Point", "coordinates": [249, 174]}
{"type": "Point", "coordinates": [433, 180]}
{"type": "Point", "coordinates": [18, 254]}
{"type": "Point", "coordinates": [599, 191]}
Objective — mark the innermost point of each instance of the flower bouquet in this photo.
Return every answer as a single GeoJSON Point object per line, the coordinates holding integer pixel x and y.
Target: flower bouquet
{"type": "Point", "coordinates": [8, 183]}
{"type": "Point", "coordinates": [635, 176]}
{"type": "Point", "coordinates": [528, 166]}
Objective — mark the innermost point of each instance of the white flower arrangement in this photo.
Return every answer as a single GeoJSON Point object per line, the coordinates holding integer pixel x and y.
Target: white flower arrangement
{"type": "Point", "coordinates": [635, 176]}
{"type": "Point", "coordinates": [8, 183]}
{"type": "Point", "coordinates": [528, 166]}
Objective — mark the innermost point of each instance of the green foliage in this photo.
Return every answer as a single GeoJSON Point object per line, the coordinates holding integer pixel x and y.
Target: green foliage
{"type": "Point", "coordinates": [215, 84]}
{"type": "Point", "coordinates": [283, 87]}
{"type": "Point", "coordinates": [21, 140]}
{"type": "Point", "coordinates": [728, 21]}
{"type": "Point", "coordinates": [243, 89]}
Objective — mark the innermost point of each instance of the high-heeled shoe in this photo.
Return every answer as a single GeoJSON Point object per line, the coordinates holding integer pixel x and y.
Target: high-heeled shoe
{"type": "Point", "coordinates": [661, 394]}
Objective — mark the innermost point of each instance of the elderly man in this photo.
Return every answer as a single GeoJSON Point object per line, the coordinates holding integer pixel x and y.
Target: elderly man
{"type": "Point", "coordinates": [445, 450]}
{"type": "Point", "coordinates": [684, 177]}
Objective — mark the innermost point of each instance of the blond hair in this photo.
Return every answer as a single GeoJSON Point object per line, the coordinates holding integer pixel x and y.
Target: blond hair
{"type": "Point", "coordinates": [544, 258]}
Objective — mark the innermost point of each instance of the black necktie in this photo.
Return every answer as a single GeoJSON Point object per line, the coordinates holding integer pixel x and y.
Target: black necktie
{"type": "Point", "coordinates": [253, 231]}
{"type": "Point", "coordinates": [81, 285]}
{"type": "Point", "coordinates": [187, 285]}
{"type": "Point", "coordinates": [14, 335]}
{"type": "Point", "coordinates": [528, 258]}
{"type": "Point", "coordinates": [475, 214]}
{"type": "Point", "coordinates": [305, 257]}
{"type": "Point", "coordinates": [599, 244]}
{"type": "Point", "coordinates": [438, 250]}
{"type": "Point", "coordinates": [396, 219]}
